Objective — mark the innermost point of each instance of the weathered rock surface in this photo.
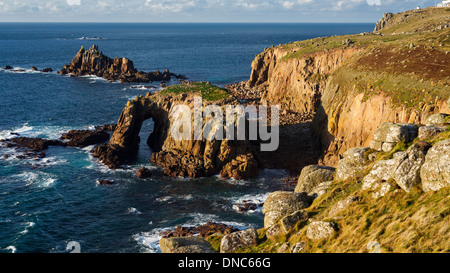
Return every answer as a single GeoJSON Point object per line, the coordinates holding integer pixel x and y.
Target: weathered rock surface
{"type": "Point", "coordinates": [93, 62]}
{"type": "Point", "coordinates": [235, 240]}
{"type": "Point", "coordinates": [342, 205]}
{"type": "Point", "coordinates": [242, 167]}
{"type": "Point", "coordinates": [202, 230]}
{"type": "Point", "coordinates": [430, 131]}
{"type": "Point", "coordinates": [383, 21]}
{"type": "Point", "coordinates": [83, 138]}
{"type": "Point", "coordinates": [282, 203]}
{"type": "Point", "coordinates": [312, 176]}
{"type": "Point", "coordinates": [404, 169]}
{"type": "Point", "coordinates": [352, 163]}
{"type": "Point", "coordinates": [320, 230]}
{"type": "Point", "coordinates": [143, 173]}
{"type": "Point", "coordinates": [179, 157]}
{"type": "Point", "coordinates": [435, 172]}
{"type": "Point", "coordinates": [408, 164]}
{"type": "Point", "coordinates": [191, 244]}
{"type": "Point", "coordinates": [289, 221]}
{"type": "Point", "coordinates": [35, 144]}
{"type": "Point", "coordinates": [437, 118]}
{"type": "Point", "coordinates": [389, 134]}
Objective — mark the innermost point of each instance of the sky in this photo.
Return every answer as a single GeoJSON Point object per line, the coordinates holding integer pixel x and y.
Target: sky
{"type": "Point", "coordinates": [288, 11]}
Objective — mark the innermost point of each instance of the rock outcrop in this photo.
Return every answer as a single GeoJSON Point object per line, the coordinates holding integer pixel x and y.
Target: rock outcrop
{"type": "Point", "coordinates": [93, 62]}
{"type": "Point", "coordinates": [283, 203]}
{"type": "Point", "coordinates": [238, 239]}
{"type": "Point", "coordinates": [313, 175]}
{"type": "Point", "coordinates": [435, 172]}
{"type": "Point", "coordinates": [179, 157]}
{"type": "Point", "coordinates": [190, 244]}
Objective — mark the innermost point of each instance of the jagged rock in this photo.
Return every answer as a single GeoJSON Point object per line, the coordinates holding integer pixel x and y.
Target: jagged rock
{"type": "Point", "coordinates": [435, 172]}
{"type": "Point", "coordinates": [203, 230]}
{"type": "Point", "coordinates": [83, 138]}
{"type": "Point", "coordinates": [33, 68]}
{"type": "Point", "coordinates": [179, 157]}
{"type": "Point", "coordinates": [408, 164]}
{"type": "Point", "coordinates": [93, 62]}
{"type": "Point", "coordinates": [111, 155]}
{"type": "Point", "coordinates": [143, 173]}
{"type": "Point", "coordinates": [320, 189]}
{"type": "Point", "coordinates": [235, 240]}
{"type": "Point", "coordinates": [430, 131]}
{"type": "Point", "coordinates": [438, 118]}
{"type": "Point", "coordinates": [283, 248]}
{"type": "Point", "coordinates": [377, 178]}
{"type": "Point", "coordinates": [242, 167]}
{"type": "Point", "coordinates": [352, 163]}
{"type": "Point", "coordinates": [383, 21]}
{"type": "Point", "coordinates": [191, 244]}
{"type": "Point", "coordinates": [47, 69]}
{"type": "Point", "coordinates": [8, 67]}
{"type": "Point", "coordinates": [320, 230]}
{"type": "Point", "coordinates": [341, 205]}
{"type": "Point", "coordinates": [281, 203]}
{"type": "Point", "coordinates": [389, 134]}
{"type": "Point", "coordinates": [105, 182]}
{"type": "Point", "coordinates": [35, 144]}
{"type": "Point", "coordinates": [298, 247]}
{"type": "Point", "coordinates": [274, 232]}
{"type": "Point", "coordinates": [291, 220]}
{"type": "Point", "coordinates": [313, 175]}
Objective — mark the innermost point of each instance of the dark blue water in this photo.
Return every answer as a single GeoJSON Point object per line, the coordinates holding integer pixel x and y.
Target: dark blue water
{"type": "Point", "coordinates": [46, 203]}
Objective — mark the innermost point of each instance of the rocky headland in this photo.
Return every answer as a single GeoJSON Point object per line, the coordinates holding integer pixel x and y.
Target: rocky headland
{"type": "Point", "coordinates": [92, 62]}
{"type": "Point", "coordinates": [375, 107]}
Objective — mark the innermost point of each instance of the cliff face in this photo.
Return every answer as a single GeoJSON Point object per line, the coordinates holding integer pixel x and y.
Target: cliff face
{"type": "Point", "coordinates": [351, 84]}
{"type": "Point", "coordinates": [185, 157]}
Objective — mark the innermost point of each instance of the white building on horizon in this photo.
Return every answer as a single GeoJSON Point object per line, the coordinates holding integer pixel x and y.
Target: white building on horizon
{"type": "Point", "coordinates": [445, 3]}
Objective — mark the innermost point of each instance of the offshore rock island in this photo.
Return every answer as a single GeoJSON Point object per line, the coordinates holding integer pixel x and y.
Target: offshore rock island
{"type": "Point", "coordinates": [93, 62]}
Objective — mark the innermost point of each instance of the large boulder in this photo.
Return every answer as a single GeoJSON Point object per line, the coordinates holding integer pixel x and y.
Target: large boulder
{"type": "Point", "coordinates": [430, 131]}
{"type": "Point", "coordinates": [435, 172]}
{"type": "Point", "coordinates": [190, 244]}
{"type": "Point", "coordinates": [320, 230]}
{"type": "Point", "coordinates": [238, 239]}
{"type": "Point", "coordinates": [404, 169]}
{"type": "Point", "coordinates": [389, 134]}
{"type": "Point", "coordinates": [352, 163]}
{"type": "Point", "coordinates": [438, 118]}
{"type": "Point", "coordinates": [282, 203]}
{"type": "Point", "coordinates": [311, 176]}
{"type": "Point", "coordinates": [408, 164]}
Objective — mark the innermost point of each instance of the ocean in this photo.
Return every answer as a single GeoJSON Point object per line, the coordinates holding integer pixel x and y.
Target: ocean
{"type": "Point", "coordinates": [47, 203]}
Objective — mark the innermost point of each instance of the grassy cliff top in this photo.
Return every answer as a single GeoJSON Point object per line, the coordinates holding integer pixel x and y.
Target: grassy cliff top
{"type": "Point", "coordinates": [408, 60]}
{"type": "Point", "coordinates": [208, 91]}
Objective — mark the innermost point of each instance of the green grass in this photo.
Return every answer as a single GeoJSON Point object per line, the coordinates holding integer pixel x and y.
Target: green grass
{"type": "Point", "coordinates": [208, 91]}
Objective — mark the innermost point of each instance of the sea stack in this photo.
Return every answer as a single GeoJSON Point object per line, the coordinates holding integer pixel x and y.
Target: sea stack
{"type": "Point", "coordinates": [93, 62]}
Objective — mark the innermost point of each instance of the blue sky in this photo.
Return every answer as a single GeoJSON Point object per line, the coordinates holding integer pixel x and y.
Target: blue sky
{"type": "Point", "coordinates": [202, 10]}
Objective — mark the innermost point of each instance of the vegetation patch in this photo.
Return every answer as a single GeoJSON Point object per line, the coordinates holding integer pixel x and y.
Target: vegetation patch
{"type": "Point", "coordinates": [208, 91]}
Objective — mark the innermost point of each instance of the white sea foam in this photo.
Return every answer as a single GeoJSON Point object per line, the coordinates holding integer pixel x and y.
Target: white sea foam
{"type": "Point", "coordinates": [36, 178]}
{"type": "Point", "coordinates": [257, 199]}
{"type": "Point", "coordinates": [132, 210]}
{"type": "Point", "coordinates": [149, 241]}
{"type": "Point", "coordinates": [12, 248]}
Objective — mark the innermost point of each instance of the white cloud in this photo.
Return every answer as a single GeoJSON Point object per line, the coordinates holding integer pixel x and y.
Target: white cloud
{"type": "Point", "coordinates": [73, 2]}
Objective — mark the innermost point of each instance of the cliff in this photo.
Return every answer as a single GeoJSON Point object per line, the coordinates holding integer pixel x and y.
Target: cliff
{"type": "Point", "coordinates": [350, 84]}
{"type": "Point", "coordinates": [188, 157]}
{"type": "Point", "coordinates": [93, 62]}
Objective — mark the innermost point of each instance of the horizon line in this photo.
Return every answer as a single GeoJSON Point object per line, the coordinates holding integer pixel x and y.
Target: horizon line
{"type": "Point", "coordinates": [182, 22]}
